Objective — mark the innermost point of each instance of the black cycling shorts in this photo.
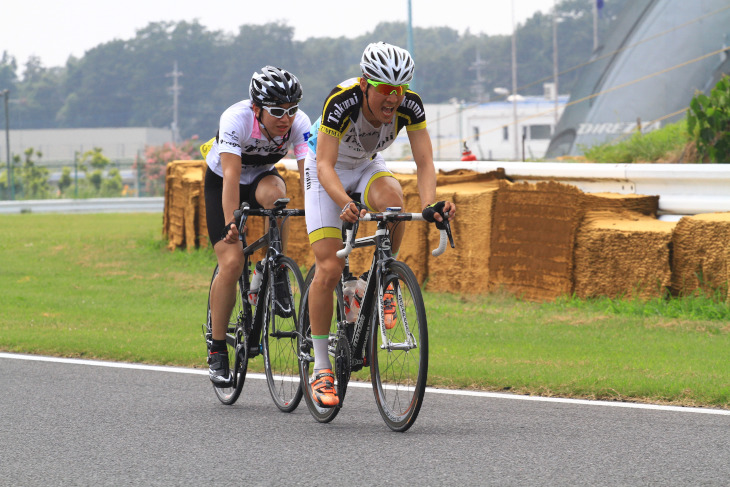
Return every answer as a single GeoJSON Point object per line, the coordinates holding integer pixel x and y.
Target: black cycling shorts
{"type": "Point", "coordinates": [214, 200]}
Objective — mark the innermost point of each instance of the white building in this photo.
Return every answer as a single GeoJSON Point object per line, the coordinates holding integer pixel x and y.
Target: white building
{"type": "Point", "coordinates": [59, 145]}
{"type": "Point", "coordinates": [488, 129]}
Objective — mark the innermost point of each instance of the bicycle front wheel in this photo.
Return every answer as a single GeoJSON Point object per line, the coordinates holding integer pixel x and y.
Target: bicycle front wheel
{"type": "Point", "coordinates": [281, 359]}
{"type": "Point", "coordinates": [399, 348]}
{"type": "Point", "coordinates": [237, 351]}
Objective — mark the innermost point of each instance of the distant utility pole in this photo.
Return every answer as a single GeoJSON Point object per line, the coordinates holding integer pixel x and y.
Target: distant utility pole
{"type": "Point", "coordinates": [595, 22]}
{"type": "Point", "coordinates": [514, 84]}
{"type": "Point", "coordinates": [555, 60]}
{"type": "Point", "coordinates": [478, 86]}
{"type": "Point", "coordinates": [11, 183]}
{"type": "Point", "coordinates": [410, 37]}
{"type": "Point", "coordinates": [175, 93]}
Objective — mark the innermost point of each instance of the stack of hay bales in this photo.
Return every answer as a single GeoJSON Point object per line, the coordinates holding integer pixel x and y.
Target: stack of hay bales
{"type": "Point", "coordinates": [532, 239]}
{"type": "Point", "coordinates": [700, 258]}
{"type": "Point", "coordinates": [621, 248]}
{"type": "Point", "coordinates": [184, 222]}
{"type": "Point", "coordinates": [474, 196]}
{"type": "Point", "coordinates": [537, 240]}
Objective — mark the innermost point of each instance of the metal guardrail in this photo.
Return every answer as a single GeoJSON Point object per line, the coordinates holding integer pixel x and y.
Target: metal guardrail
{"type": "Point", "coordinates": [92, 205]}
{"type": "Point", "coordinates": [683, 189]}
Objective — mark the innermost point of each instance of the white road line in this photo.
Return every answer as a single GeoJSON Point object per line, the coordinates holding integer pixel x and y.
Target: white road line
{"type": "Point", "coordinates": [455, 392]}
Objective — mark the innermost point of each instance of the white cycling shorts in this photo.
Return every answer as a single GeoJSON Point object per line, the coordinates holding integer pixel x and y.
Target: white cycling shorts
{"type": "Point", "coordinates": [322, 213]}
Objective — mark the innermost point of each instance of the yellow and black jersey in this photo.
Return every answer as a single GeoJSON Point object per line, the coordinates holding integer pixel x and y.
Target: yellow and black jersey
{"type": "Point", "coordinates": [341, 118]}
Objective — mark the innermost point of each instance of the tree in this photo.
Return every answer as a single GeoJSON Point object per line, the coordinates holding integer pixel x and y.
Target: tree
{"type": "Point", "coordinates": [158, 157]}
{"type": "Point", "coordinates": [32, 178]}
{"type": "Point", "coordinates": [93, 163]}
{"type": "Point", "coordinates": [708, 119]}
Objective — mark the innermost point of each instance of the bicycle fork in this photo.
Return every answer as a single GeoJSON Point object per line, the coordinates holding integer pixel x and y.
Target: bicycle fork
{"type": "Point", "coordinates": [410, 341]}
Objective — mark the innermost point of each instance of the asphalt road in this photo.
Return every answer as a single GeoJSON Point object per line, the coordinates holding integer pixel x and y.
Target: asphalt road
{"type": "Point", "coordinates": [77, 424]}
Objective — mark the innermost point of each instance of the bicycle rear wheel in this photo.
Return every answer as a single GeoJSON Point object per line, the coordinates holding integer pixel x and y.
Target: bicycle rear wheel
{"type": "Point", "coordinates": [399, 366]}
{"type": "Point", "coordinates": [306, 351]}
{"type": "Point", "coordinates": [281, 359]}
{"type": "Point", "coordinates": [235, 339]}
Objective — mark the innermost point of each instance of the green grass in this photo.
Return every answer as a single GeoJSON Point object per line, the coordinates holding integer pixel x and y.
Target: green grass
{"type": "Point", "coordinates": [104, 286]}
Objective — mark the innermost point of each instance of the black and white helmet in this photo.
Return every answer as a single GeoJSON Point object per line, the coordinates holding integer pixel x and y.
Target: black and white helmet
{"type": "Point", "coordinates": [274, 86]}
{"type": "Point", "coordinates": [387, 63]}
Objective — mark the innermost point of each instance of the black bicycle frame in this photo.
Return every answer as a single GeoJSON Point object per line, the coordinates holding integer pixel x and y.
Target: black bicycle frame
{"type": "Point", "coordinates": [272, 240]}
{"type": "Point", "coordinates": [359, 334]}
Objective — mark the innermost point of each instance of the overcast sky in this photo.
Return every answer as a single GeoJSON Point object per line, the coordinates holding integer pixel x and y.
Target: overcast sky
{"type": "Point", "coordinates": [54, 30]}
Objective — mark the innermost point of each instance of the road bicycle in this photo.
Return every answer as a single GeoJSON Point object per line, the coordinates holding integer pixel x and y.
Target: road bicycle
{"type": "Point", "coordinates": [397, 354]}
{"type": "Point", "coordinates": [265, 327]}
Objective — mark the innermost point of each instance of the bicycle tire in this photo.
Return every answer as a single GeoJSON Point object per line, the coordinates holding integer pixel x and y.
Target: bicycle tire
{"type": "Point", "coordinates": [399, 376]}
{"type": "Point", "coordinates": [306, 353]}
{"type": "Point", "coordinates": [279, 340]}
{"type": "Point", "coordinates": [235, 341]}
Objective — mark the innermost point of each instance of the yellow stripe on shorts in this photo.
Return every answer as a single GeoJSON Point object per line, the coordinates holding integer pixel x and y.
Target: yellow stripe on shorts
{"type": "Point", "coordinates": [325, 232]}
{"type": "Point", "coordinates": [375, 176]}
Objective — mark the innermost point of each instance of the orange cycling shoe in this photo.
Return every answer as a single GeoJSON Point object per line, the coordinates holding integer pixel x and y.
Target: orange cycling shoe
{"type": "Point", "coordinates": [389, 307]}
{"type": "Point", "coordinates": [323, 389]}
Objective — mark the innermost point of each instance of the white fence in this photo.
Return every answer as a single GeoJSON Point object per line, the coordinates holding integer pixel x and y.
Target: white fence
{"type": "Point", "coordinates": [683, 189]}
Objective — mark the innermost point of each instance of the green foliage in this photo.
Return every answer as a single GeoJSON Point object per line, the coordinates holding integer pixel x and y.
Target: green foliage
{"type": "Point", "coordinates": [65, 181]}
{"type": "Point", "coordinates": [94, 163]}
{"type": "Point", "coordinates": [708, 119]}
{"type": "Point", "coordinates": [125, 83]}
{"type": "Point", "coordinates": [31, 179]}
{"type": "Point", "coordinates": [642, 147]}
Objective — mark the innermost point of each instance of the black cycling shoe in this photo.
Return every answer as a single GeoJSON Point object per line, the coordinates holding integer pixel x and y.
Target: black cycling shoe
{"type": "Point", "coordinates": [282, 294]}
{"type": "Point", "coordinates": [218, 370]}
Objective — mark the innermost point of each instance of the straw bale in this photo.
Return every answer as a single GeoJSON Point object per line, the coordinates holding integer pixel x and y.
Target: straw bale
{"type": "Point", "coordinates": [183, 192]}
{"type": "Point", "coordinates": [532, 239]}
{"type": "Point", "coordinates": [622, 254]}
{"type": "Point", "coordinates": [700, 257]}
{"type": "Point", "coordinates": [615, 202]}
{"type": "Point", "coordinates": [471, 230]}
{"type": "Point", "coordinates": [298, 247]}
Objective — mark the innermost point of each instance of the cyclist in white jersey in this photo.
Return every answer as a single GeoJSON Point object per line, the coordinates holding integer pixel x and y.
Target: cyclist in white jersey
{"type": "Point", "coordinates": [361, 117]}
{"type": "Point", "coordinates": [252, 136]}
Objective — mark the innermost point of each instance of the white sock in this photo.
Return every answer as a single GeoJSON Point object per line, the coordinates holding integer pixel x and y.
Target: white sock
{"type": "Point", "coordinates": [321, 356]}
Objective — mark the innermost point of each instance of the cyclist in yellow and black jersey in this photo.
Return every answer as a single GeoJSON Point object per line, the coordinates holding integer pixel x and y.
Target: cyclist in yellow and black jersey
{"type": "Point", "coordinates": [361, 117]}
{"type": "Point", "coordinates": [359, 140]}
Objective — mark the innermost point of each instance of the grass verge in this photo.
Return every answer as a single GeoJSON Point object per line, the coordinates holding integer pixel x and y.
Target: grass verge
{"type": "Point", "coordinates": [104, 286]}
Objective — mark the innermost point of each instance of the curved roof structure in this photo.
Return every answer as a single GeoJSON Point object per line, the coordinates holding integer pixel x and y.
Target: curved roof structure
{"type": "Point", "coordinates": [658, 54]}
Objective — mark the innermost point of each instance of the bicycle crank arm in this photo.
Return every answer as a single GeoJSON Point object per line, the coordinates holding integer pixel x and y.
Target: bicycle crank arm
{"type": "Point", "coordinates": [399, 346]}
{"type": "Point", "coordinates": [283, 334]}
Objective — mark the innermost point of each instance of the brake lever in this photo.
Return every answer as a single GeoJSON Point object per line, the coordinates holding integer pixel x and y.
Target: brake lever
{"type": "Point", "coordinates": [241, 215]}
{"type": "Point", "coordinates": [447, 227]}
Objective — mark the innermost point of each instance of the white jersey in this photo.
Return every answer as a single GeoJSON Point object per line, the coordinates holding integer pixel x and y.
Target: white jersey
{"type": "Point", "coordinates": [241, 134]}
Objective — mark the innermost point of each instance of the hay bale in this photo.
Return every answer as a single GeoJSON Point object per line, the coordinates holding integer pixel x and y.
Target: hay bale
{"type": "Point", "coordinates": [532, 238]}
{"type": "Point", "coordinates": [700, 257]}
{"type": "Point", "coordinates": [183, 194]}
{"type": "Point", "coordinates": [618, 203]}
{"type": "Point", "coordinates": [624, 254]}
{"type": "Point", "coordinates": [471, 230]}
{"type": "Point", "coordinates": [298, 247]}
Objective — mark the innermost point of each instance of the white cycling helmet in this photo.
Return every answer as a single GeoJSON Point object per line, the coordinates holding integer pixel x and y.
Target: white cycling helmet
{"type": "Point", "coordinates": [387, 63]}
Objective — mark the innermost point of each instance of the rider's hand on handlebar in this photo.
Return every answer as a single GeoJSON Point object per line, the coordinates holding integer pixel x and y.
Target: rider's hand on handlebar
{"type": "Point", "coordinates": [350, 212]}
{"type": "Point", "coordinates": [435, 212]}
{"type": "Point", "coordinates": [230, 233]}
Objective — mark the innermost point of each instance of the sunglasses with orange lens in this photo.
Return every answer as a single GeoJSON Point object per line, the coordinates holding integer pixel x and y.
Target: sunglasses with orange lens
{"type": "Point", "coordinates": [388, 89]}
